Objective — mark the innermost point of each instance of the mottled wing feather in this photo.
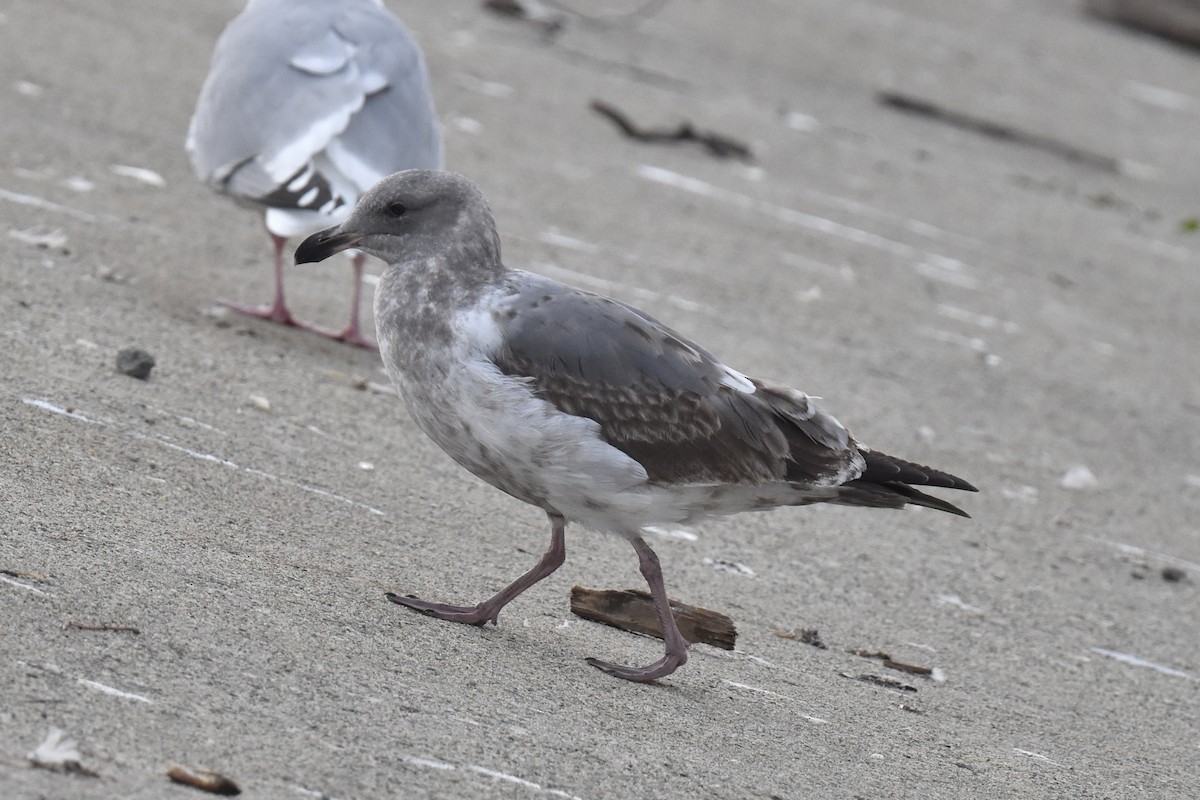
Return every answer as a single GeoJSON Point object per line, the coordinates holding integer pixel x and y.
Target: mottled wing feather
{"type": "Point", "coordinates": [658, 397]}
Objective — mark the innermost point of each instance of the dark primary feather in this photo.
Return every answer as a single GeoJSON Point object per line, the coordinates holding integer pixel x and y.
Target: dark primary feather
{"type": "Point", "coordinates": [883, 468]}
{"type": "Point", "coordinates": [886, 482]}
{"type": "Point", "coordinates": [308, 189]}
{"type": "Point", "coordinates": [658, 397]}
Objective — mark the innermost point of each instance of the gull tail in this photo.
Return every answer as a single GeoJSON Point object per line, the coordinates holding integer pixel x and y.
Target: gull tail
{"type": "Point", "coordinates": [889, 482]}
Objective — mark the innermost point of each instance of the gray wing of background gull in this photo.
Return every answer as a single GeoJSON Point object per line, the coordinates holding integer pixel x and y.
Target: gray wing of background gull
{"type": "Point", "coordinates": [682, 414]}
{"type": "Point", "coordinates": [305, 122]}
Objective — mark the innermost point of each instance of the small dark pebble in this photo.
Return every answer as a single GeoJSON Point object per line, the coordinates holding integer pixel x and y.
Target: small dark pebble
{"type": "Point", "coordinates": [812, 636]}
{"type": "Point", "coordinates": [135, 362]}
{"type": "Point", "coordinates": [1173, 574]}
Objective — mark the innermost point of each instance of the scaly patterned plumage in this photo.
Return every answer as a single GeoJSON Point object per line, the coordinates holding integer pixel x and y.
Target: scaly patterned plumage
{"type": "Point", "coordinates": [584, 406]}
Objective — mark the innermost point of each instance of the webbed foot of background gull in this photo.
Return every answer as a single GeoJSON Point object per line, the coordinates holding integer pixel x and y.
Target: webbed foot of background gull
{"type": "Point", "coordinates": [279, 313]}
{"type": "Point", "coordinates": [352, 334]}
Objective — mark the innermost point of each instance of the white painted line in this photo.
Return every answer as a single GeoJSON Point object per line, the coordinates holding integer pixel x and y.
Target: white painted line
{"type": "Point", "coordinates": [114, 692]}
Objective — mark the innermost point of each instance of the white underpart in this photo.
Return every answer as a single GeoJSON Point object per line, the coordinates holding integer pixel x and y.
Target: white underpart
{"type": "Point", "coordinates": [486, 420]}
{"type": "Point", "coordinates": [476, 328]}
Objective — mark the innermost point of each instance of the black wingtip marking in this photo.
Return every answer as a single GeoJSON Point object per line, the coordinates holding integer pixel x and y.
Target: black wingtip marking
{"type": "Point", "coordinates": [882, 468]}
{"type": "Point", "coordinates": [306, 190]}
{"type": "Point", "coordinates": [922, 499]}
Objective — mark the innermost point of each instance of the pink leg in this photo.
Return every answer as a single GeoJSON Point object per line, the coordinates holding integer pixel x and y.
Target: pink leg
{"type": "Point", "coordinates": [676, 654]}
{"type": "Point", "coordinates": [353, 333]}
{"type": "Point", "coordinates": [489, 610]}
{"type": "Point", "coordinates": [277, 311]}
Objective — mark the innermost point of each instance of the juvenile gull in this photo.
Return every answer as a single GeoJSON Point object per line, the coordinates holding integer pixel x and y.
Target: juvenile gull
{"type": "Point", "coordinates": [585, 406]}
{"type": "Point", "coordinates": [309, 103]}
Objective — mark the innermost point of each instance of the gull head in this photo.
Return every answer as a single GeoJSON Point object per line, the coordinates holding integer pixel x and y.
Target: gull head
{"type": "Point", "coordinates": [413, 215]}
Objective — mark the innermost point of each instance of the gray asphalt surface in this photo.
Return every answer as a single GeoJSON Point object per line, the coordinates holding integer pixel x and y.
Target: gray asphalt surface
{"type": "Point", "coordinates": [985, 306]}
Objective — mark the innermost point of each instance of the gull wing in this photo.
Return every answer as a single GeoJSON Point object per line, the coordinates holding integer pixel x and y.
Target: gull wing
{"type": "Point", "coordinates": [292, 80]}
{"type": "Point", "coordinates": [663, 400]}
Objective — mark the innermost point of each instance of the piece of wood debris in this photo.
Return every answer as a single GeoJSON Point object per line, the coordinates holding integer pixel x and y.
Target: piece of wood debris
{"type": "Point", "coordinates": [203, 779]}
{"type": "Point", "coordinates": [717, 144]}
{"type": "Point", "coordinates": [880, 680]}
{"type": "Point", "coordinates": [863, 652]}
{"type": "Point", "coordinates": [20, 573]}
{"type": "Point", "coordinates": [997, 130]}
{"type": "Point", "coordinates": [109, 628]}
{"type": "Point", "coordinates": [891, 663]}
{"type": "Point", "coordinates": [633, 610]}
{"type": "Point", "coordinates": [911, 669]}
{"type": "Point", "coordinates": [810, 636]}
{"type": "Point", "coordinates": [1177, 20]}
{"type": "Point", "coordinates": [551, 22]}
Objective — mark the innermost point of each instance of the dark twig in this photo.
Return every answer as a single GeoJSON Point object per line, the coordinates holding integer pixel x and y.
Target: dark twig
{"type": "Point", "coordinates": [644, 11]}
{"type": "Point", "coordinates": [20, 573]}
{"type": "Point", "coordinates": [531, 11]}
{"type": "Point", "coordinates": [1177, 20]}
{"type": "Point", "coordinates": [717, 144]}
{"type": "Point", "coordinates": [109, 628]}
{"type": "Point", "coordinates": [891, 663]}
{"type": "Point", "coordinates": [880, 680]}
{"type": "Point", "coordinates": [911, 669]}
{"type": "Point", "coordinates": [998, 130]}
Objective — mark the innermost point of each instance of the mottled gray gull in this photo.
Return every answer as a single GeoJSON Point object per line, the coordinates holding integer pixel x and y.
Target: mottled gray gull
{"type": "Point", "coordinates": [308, 104]}
{"type": "Point", "coordinates": [584, 406]}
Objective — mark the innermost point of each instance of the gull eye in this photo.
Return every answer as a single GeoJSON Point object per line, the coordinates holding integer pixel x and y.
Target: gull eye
{"type": "Point", "coordinates": [397, 209]}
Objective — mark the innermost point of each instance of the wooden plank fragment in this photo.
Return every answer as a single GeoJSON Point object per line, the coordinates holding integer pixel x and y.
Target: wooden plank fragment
{"type": "Point", "coordinates": [633, 610]}
{"type": "Point", "coordinates": [204, 780]}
